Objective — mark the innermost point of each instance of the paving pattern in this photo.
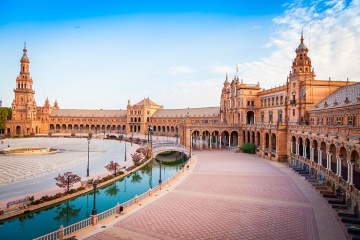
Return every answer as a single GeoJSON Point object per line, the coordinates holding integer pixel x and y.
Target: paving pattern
{"type": "Point", "coordinates": [232, 196]}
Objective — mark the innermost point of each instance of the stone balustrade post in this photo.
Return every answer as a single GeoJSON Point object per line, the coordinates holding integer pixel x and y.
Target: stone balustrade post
{"type": "Point", "coordinates": [94, 219]}
{"type": "Point", "coordinates": [61, 232]}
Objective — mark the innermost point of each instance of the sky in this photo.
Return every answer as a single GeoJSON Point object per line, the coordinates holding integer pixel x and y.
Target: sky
{"type": "Point", "coordinates": [99, 54]}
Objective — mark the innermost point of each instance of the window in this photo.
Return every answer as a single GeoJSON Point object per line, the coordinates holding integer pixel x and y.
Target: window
{"type": "Point", "coordinates": [293, 112]}
{"type": "Point", "coordinates": [339, 120]}
{"type": "Point", "coordinates": [311, 121]}
{"type": "Point", "coordinates": [261, 103]}
{"type": "Point", "coordinates": [277, 101]}
{"type": "Point", "coordinates": [351, 120]}
{"type": "Point", "coordinates": [328, 120]}
{"type": "Point", "coordinates": [270, 116]}
{"type": "Point", "coordinates": [280, 116]}
{"type": "Point", "coordinates": [262, 116]}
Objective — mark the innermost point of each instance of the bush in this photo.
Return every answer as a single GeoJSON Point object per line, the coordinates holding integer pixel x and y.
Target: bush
{"type": "Point", "coordinates": [248, 148]}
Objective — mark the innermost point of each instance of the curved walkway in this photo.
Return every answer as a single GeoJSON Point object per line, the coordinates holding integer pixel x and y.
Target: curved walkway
{"type": "Point", "coordinates": [230, 196]}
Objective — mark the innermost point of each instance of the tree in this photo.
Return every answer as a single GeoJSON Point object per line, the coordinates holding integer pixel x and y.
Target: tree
{"type": "Point", "coordinates": [146, 151]}
{"type": "Point", "coordinates": [136, 157]}
{"type": "Point", "coordinates": [67, 180]}
{"type": "Point", "coordinates": [113, 167]}
{"type": "Point", "coordinates": [4, 115]}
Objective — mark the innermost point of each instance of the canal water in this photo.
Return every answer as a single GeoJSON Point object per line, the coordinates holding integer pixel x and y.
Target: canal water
{"type": "Point", "coordinates": [36, 224]}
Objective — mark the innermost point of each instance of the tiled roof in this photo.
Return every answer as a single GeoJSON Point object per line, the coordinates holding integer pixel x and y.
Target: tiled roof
{"type": "Point", "coordinates": [193, 112]}
{"type": "Point", "coordinates": [146, 102]}
{"type": "Point", "coordinates": [87, 113]}
{"type": "Point", "coordinates": [351, 92]}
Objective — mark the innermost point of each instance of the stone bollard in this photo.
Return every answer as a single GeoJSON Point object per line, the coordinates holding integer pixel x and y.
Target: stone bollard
{"type": "Point", "coordinates": [94, 219]}
{"type": "Point", "coordinates": [136, 199]}
{"type": "Point", "coordinates": [150, 192]}
{"type": "Point", "coordinates": [118, 208]}
{"type": "Point", "coordinates": [61, 232]}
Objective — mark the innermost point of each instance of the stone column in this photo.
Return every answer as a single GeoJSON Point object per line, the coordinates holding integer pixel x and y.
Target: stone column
{"type": "Point", "coordinates": [329, 161]}
{"type": "Point", "coordinates": [339, 160]}
{"type": "Point", "coordinates": [210, 141]}
{"type": "Point", "coordinates": [352, 173]}
{"type": "Point", "coordinates": [220, 142]}
{"type": "Point", "coordinates": [297, 149]}
{"type": "Point", "coordinates": [238, 141]}
{"type": "Point", "coordinates": [349, 172]}
{"type": "Point", "coordinates": [201, 142]}
{"type": "Point", "coordinates": [320, 157]}
{"type": "Point", "coordinates": [229, 139]}
{"type": "Point", "coordinates": [304, 151]}
{"type": "Point", "coordinates": [291, 147]}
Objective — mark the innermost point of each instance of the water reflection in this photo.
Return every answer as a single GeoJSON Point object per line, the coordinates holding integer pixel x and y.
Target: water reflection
{"type": "Point", "coordinates": [112, 190]}
{"type": "Point", "coordinates": [67, 212]}
{"type": "Point", "coordinates": [37, 223]}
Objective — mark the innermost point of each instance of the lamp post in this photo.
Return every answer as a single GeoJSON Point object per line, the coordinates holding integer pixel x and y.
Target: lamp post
{"type": "Point", "coordinates": [87, 170]}
{"type": "Point", "coordinates": [177, 134]}
{"type": "Point", "coordinates": [190, 143]}
{"type": "Point", "coordinates": [94, 212]}
{"type": "Point", "coordinates": [160, 173]}
{"type": "Point", "coordinates": [125, 150]}
{"type": "Point", "coordinates": [150, 135]}
{"type": "Point", "coordinates": [182, 159]}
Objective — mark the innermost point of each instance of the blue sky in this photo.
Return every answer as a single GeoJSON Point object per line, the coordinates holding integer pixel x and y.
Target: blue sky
{"type": "Point", "coordinates": [98, 54]}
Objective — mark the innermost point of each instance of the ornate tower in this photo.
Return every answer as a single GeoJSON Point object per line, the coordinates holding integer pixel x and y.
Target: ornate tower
{"type": "Point", "coordinates": [301, 78]}
{"type": "Point", "coordinates": [225, 102]}
{"type": "Point", "coordinates": [24, 105]}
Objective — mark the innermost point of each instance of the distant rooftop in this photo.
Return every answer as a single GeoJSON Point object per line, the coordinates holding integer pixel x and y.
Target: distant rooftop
{"type": "Point", "coordinates": [350, 92]}
{"type": "Point", "coordinates": [192, 112]}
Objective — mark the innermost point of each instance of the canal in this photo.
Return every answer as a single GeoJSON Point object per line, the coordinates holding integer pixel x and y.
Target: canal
{"type": "Point", "coordinates": [36, 224]}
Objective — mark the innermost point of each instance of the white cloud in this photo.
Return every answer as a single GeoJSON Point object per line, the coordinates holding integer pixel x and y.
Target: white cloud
{"type": "Point", "coordinates": [191, 93]}
{"type": "Point", "coordinates": [222, 69]}
{"type": "Point", "coordinates": [334, 30]}
{"type": "Point", "coordinates": [256, 27]}
{"type": "Point", "coordinates": [180, 70]}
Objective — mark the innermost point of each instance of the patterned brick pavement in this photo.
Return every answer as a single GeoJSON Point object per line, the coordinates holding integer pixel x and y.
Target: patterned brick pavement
{"type": "Point", "coordinates": [232, 196]}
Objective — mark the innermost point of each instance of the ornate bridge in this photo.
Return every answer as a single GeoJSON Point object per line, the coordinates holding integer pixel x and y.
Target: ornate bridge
{"type": "Point", "coordinates": [160, 147]}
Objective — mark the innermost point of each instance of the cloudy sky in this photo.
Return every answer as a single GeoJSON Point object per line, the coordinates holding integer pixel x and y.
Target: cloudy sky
{"type": "Point", "coordinates": [98, 54]}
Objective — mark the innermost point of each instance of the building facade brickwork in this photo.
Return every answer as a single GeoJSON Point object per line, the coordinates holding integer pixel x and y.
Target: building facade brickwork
{"type": "Point", "coordinates": [306, 120]}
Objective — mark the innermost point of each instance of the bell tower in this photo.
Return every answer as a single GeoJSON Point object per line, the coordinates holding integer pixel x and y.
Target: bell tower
{"type": "Point", "coordinates": [24, 105]}
{"type": "Point", "coordinates": [301, 79]}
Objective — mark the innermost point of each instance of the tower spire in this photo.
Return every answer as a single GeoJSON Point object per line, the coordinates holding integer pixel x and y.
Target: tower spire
{"type": "Point", "coordinates": [302, 36]}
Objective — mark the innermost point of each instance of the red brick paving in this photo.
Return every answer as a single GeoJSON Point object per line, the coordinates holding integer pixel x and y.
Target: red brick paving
{"type": "Point", "coordinates": [233, 196]}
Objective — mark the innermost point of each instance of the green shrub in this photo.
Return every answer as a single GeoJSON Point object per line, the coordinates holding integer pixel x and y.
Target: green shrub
{"type": "Point", "coordinates": [248, 148]}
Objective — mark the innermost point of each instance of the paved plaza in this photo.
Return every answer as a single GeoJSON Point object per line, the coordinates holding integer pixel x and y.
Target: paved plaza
{"type": "Point", "coordinates": [231, 196]}
{"type": "Point", "coordinates": [26, 175]}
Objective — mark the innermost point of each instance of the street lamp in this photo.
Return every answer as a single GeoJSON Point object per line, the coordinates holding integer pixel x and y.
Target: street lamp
{"type": "Point", "coordinates": [87, 171]}
{"type": "Point", "coordinates": [160, 173]}
{"type": "Point", "coordinates": [182, 159]}
{"type": "Point", "coordinates": [150, 135]}
{"type": "Point", "coordinates": [177, 134]}
{"type": "Point", "coordinates": [125, 150]}
{"type": "Point", "coordinates": [190, 143]}
{"type": "Point", "coordinates": [94, 212]}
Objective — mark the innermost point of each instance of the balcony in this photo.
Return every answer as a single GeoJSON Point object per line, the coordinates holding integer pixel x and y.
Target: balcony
{"type": "Point", "coordinates": [292, 101]}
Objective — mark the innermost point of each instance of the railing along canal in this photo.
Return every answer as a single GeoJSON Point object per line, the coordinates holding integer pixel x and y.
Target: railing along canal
{"type": "Point", "coordinates": [62, 232]}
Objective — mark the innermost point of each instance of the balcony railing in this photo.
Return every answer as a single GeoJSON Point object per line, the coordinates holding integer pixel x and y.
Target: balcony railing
{"type": "Point", "coordinates": [292, 101]}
